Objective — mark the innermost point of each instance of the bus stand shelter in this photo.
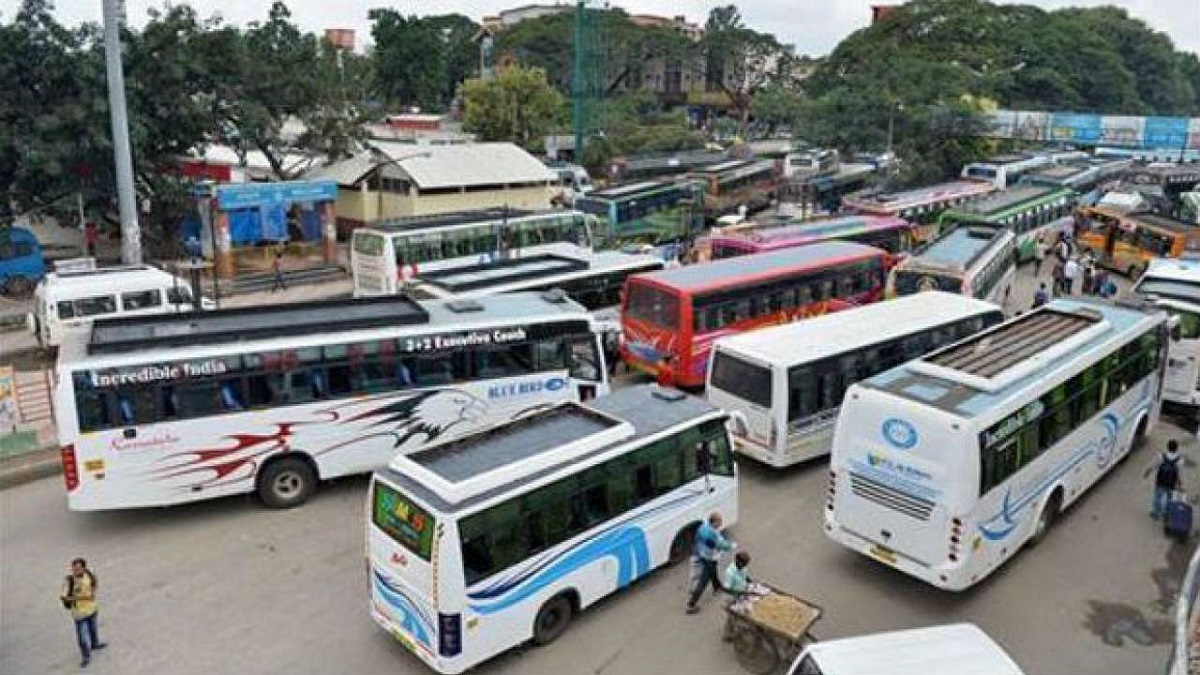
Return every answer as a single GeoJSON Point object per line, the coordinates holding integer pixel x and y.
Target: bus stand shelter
{"type": "Point", "coordinates": [254, 214]}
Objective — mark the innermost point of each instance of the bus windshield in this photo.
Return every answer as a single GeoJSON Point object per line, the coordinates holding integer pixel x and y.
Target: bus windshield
{"type": "Point", "coordinates": [915, 281]}
{"type": "Point", "coordinates": [653, 305]}
{"type": "Point", "coordinates": [405, 522]}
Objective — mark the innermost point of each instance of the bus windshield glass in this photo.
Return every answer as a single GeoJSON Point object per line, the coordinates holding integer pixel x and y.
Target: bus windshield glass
{"type": "Point", "coordinates": [915, 281]}
{"type": "Point", "coordinates": [402, 520]}
{"type": "Point", "coordinates": [653, 305]}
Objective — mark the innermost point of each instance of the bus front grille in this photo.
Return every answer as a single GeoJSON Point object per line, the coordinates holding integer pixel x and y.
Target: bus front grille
{"type": "Point", "coordinates": [890, 497]}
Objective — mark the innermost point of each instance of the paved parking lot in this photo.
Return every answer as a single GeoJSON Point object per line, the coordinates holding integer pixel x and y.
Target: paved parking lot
{"type": "Point", "coordinates": [227, 586]}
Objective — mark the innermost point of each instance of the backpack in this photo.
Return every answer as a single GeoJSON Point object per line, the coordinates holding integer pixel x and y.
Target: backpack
{"type": "Point", "coordinates": [1168, 474]}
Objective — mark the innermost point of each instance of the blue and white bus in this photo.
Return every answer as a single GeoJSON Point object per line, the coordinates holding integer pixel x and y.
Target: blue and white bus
{"type": "Point", "coordinates": [944, 467]}
{"type": "Point", "coordinates": [480, 544]}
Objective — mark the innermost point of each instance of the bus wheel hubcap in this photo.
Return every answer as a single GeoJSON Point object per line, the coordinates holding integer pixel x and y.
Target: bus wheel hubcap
{"type": "Point", "coordinates": [287, 484]}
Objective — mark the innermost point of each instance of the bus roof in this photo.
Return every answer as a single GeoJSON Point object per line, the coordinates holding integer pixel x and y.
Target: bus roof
{"type": "Point", "coordinates": [1171, 279]}
{"type": "Point", "coordinates": [1162, 222]}
{"type": "Point", "coordinates": [531, 269]}
{"type": "Point", "coordinates": [818, 229]}
{"type": "Point", "coordinates": [96, 278]}
{"type": "Point", "coordinates": [738, 166]}
{"type": "Point", "coordinates": [456, 475]}
{"type": "Point", "coordinates": [271, 322]}
{"type": "Point", "coordinates": [627, 189]}
{"type": "Point", "coordinates": [813, 339]}
{"type": "Point", "coordinates": [718, 273]}
{"type": "Point", "coordinates": [984, 371]}
{"type": "Point", "coordinates": [937, 650]}
{"type": "Point", "coordinates": [1007, 199]}
{"type": "Point", "coordinates": [898, 201]}
{"type": "Point", "coordinates": [453, 218]}
{"type": "Point", "coordinates": [957, 248]}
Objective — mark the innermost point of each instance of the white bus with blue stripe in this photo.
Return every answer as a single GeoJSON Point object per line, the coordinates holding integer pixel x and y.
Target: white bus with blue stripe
{"type": "Point", "coordinates": [480, 544]}
{"type": "Point", "coordinates": [944, 467]}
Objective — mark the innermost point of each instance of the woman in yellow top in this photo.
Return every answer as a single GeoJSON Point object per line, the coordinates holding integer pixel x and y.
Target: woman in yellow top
{"type": "Point", "coordinates": [79, 596]}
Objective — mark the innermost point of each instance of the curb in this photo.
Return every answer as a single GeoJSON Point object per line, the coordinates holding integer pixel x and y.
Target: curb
{"type": "Point", "coordinates": [29, 467]}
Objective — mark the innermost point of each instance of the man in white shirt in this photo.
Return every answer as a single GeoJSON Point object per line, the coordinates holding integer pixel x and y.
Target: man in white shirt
{"type": "Point", "coordinates": [1070, 274]}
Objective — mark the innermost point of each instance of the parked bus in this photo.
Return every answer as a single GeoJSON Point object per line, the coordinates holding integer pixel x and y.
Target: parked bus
{"type": "Point", "coordinates": [649, 212]}
{"type": "Point", "coordinates": [168, 409]}
{"type": "Point", "coordinates": [980, 263]}
{"type": "Point", "coordinates": [21, 263]}
{"type": "Point", "coordinates": [1030, 211]}
{"type": "Point", "coordinates": [811, 163]}
{"type": "Point", "coordinates": [735, 183]}
{"type": "Point", "coordinates": [921, 206]}
{"type": "Point", "coordinates": [1005, 171]}
{"type": "Point", "coordinates": [944, 467]}
{"type": "Point", "coordinates": [1126, 242]}
{"type": "Point", "coordinates": [384, 254]}
{"type": "Point", "coordinates": [675, 315]}
{"type": "Point", "coordinates": [478, 545]}
{"type": "Point", "coordinates": [1174, 287]}
{"type": "Point", "coordinates": [1089, 177]}
{"type": "Point", "coordinates": [660, 166]}
{"type": "Point", "coordinates": [893, 235]}
{"type": "Point", "coordinates": [784, 385]}
{"type": "Point", "coordinates": [594, 282]}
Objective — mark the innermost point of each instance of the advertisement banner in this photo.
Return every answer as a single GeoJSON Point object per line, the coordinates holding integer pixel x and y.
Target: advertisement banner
{"type": "Point", "coordinates": [1075, 128]}
{"type": "Point", "coordinates": [1194, 134]}
{"type": "Point", "coordinates": [1123, 130]}
{"type": "Point", "coordinates": [1166, 132]}
{"type": "Point", "coordinates": [9, 415]}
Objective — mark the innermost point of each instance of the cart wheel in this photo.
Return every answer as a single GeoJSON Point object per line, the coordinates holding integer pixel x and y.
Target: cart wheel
{"type": "Point", "coordinates": [755, 651]}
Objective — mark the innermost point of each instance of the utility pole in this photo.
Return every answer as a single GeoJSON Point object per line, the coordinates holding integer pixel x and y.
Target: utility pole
{"type": "Point", "coordinates": [577, 84]}
{"type": "Point", "coordinates": [131, 236]}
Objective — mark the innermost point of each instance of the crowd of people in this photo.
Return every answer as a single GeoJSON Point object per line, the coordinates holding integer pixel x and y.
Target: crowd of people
{"type": "Point", "coordinates": [1074, 273]}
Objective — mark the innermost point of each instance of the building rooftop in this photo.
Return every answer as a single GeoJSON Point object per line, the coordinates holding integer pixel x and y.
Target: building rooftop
{"type": "Point", "coordinates": [432, 167]}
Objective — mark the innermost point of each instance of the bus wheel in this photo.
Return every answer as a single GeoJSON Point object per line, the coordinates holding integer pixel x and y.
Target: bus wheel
{"type": "Point", "coordinates": [552, 620]}
{"type": "Point", "coordinates": [1139, 436]}
{"type": "Point", "coordinates": [286, 482]}
{"type": "Point", "coordinates": [682, 544]}
{"type": "Point", "coordinates": [1046, 518]}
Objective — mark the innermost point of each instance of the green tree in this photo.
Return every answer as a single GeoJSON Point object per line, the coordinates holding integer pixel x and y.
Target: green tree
{"type": "Point", "coordinates": [420, 61]}
{"type": "Point", "coordinates": [517, 105]}
{"type": "Point", "coordinates": [776, 106]}
{"type": "Point", "coordinates": [740, 61]}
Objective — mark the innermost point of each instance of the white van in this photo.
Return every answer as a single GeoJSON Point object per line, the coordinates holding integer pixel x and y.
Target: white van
{"type": "Point", "coordinates": [955, 649]}
{"type": "Point", "coordinates": [68, 301]}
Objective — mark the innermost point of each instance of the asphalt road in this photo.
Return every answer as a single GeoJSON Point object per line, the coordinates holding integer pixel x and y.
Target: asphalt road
{"type": "Point", "coordinates": [227, 586]}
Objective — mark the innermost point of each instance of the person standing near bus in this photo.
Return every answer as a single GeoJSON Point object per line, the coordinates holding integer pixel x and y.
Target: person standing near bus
{"type": "Point", "coordinates": [709, 545]}
{"type": "Point", "coordinates": [90, 236]}
{"type": "Point", "coordinates": [278, 266]}
{"type": "Point", "coordinates": [1039, 254]}
{"type": "Point", "coordinates": [79, 596]}
{"type": "Point", "coordinates": [1070, 273]}
{"type": "Point", "coordinates": [1166, 479]}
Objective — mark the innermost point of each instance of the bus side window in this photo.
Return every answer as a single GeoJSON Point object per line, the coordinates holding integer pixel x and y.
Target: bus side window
{"type": "Point", "coordinates": [265, 389]}
{"type": "Point", "coordinates": [231, 396]}
{"type": "Point", "coordinates": [92, 410]}
{"type": "Point", "coordinates": [66, 309]}
{"type": "Point", "coordinates": [584, 359]}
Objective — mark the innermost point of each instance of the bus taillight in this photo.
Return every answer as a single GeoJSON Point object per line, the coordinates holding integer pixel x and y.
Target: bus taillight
{"type": "Point", "coordinates": [956, 533]}
{"type": "Point", "coordinates": [70, 469]}
{"type": "Point", "coordinates": [831, 490]}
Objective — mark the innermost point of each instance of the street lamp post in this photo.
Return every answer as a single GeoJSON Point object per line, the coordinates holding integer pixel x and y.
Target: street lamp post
{"type": "Point", "coordinates": [131, 237]}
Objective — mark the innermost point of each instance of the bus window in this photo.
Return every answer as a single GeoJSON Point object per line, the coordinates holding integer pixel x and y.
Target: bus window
{"type": "Point", "coordinates": [92, 410]}
{"type": "Point", "coordinates": [100, 304]}
{"type": "Point", "coordinates": [584, 360]}
{"type": "Point", "coordinates": [652, 305]}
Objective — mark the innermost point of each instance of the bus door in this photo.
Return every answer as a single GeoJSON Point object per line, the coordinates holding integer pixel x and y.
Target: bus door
{"type": "Point", "coordinates": [1182, 376]}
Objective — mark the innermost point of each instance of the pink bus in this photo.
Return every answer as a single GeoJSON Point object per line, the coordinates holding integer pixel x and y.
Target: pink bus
{"type": "Point", "coordinates": [894, 235]}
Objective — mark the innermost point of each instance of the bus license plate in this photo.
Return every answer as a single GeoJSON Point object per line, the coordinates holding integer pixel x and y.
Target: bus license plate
{"type": "Point", "coordinates": [883, 554]}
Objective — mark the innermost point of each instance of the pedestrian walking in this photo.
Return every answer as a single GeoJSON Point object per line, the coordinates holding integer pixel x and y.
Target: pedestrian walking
{"type": "Point", "coordinates": [1070, 274]}
{"type": "Point", "coordinates": [1041, 296]}
{"type": "Point", "coordinates": [1089, 277]}
{"type": "Point", "coordinates": [1056, 275]}
{"type": "Point", "coordinates": [90, 236]}
{"type": "Point", "coordinates": [1039, 255]}
{"type": "Point", "coordinates": [1108, 285]}
{"type": "Point", "coordinates": [1166, 479]}
{"type": "Point", "coordinates": [79, 597]}
{"type": "Point", "coordinates": [709, 545]}
{"type": "Point", "coordinates": [278, 265]}
{"type": "Point", "coordinates": [1062, 249]}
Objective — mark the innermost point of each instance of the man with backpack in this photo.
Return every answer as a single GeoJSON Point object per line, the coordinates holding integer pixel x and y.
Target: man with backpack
{"type": "Point", "coordinates": [1166, 479]}
{"type": "Point", "coordinates": [79, 596]}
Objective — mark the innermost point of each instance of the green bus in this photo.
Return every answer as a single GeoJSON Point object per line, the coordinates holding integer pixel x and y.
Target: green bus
{"type": "Point", "coordinates": [1027, 210]}
{"type": "Point", "coordinates": [646, 212]}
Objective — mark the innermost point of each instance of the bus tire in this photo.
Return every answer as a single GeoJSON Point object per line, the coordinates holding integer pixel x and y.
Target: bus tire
{"type": "Point", "coordinates": [286, 482]}
{"type": "Point", "coordinates": [681, 545]}
{"type": "Point", "coordinates": [552, 619]}
{"type": "Point", "coordinates": [1047, 517]}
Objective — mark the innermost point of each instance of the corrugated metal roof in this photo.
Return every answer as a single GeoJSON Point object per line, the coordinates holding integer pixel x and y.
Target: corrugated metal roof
{"type": "Point", "coordinates": [346, 173]}
{"type": "Point", "coordinates": [465, 165]}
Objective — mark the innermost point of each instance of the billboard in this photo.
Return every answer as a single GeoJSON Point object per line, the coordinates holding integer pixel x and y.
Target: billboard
{"type": "Point", "coordinates": [1126, 131]}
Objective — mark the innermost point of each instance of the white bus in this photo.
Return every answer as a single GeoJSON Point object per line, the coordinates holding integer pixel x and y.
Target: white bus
{"type": "Point", "coordinates": [1005, 171]}
{"type": "Point", "coordinates": [66, 302]}
{"type": "Point", "coordinates": [384, 254]}
{"type": "Point", "coordinates": [977, 262]}
{"type": "Point", "coordinates": [478, 545]}
{"type": "Point", "coordinates": [178, 408]}
{"type": "Point", "coordinates": [944, 467]}
{"type": "Point", "coordinates": [1174, 286]}
{"type": "Point", "coordinates": [784, 384]}
{"type": "Point", "coordinates": [594, 282]}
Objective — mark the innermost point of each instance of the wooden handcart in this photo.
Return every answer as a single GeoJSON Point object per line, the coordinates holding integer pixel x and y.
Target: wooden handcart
{"type": "Point", "coordinates": [769, 628]}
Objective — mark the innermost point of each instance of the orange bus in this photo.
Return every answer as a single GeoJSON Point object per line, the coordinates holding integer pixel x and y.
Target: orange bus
{"type": "Point", "coordinates": [675, 315]}
{"type": "Point", "coordinates": [1126, 242]}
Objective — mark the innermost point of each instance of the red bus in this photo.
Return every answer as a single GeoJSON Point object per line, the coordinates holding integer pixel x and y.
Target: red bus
{"type": "Point", "coordinates": [675, 315]}
{"type": "Point", "coordinates": [894, 235]}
